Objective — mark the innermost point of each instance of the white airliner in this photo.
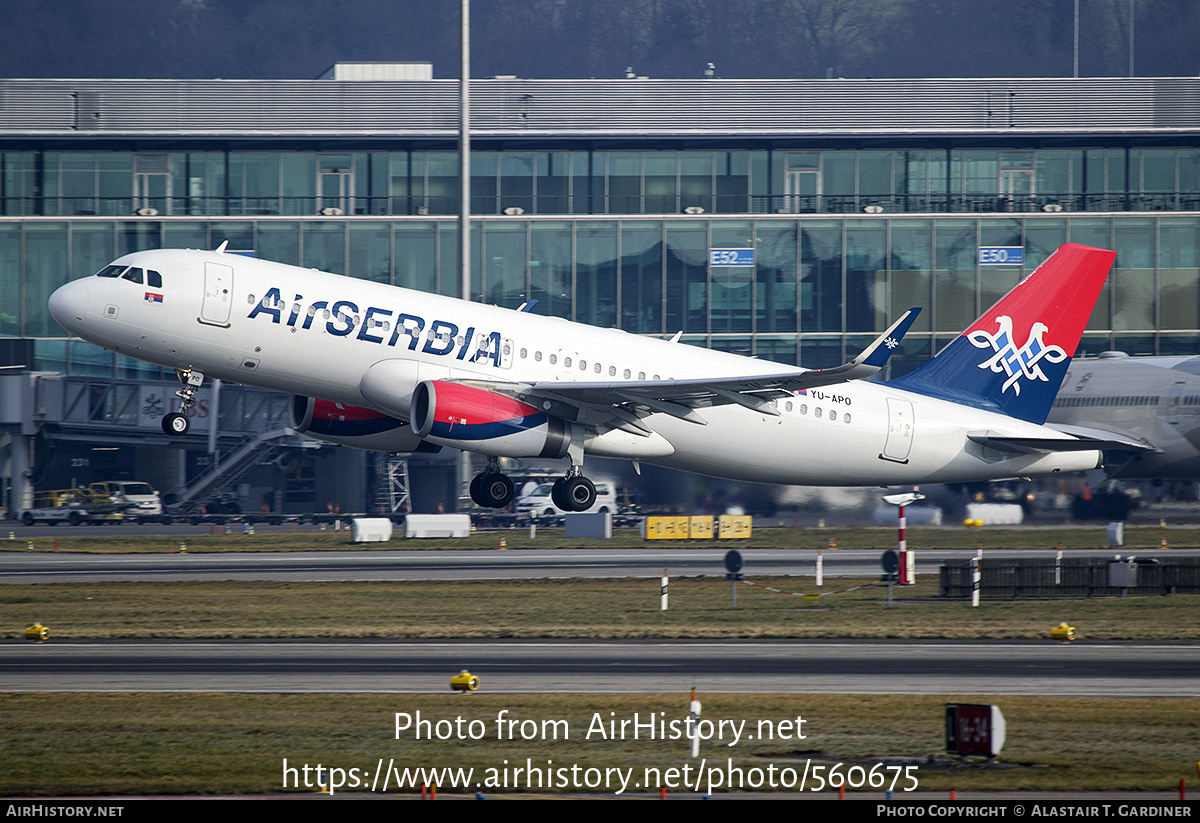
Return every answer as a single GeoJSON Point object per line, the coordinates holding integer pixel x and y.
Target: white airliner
{"type": "Point", "coordinates": [385, 368]}
{"type": "Point", "coordinates": [1154, 402]}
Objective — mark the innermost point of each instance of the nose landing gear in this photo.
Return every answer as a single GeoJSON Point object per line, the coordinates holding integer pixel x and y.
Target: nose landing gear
{"type": "Point", "coordinates": [177, 423]}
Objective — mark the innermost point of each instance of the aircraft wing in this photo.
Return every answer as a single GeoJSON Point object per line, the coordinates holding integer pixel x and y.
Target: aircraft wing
{"type": "Point", "coordinates": [622, 404]}
{"type": "Point", "coordinates": [678, 397]}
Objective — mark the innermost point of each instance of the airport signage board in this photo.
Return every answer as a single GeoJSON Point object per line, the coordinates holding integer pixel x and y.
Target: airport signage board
{"type": "Point", "coordinates": [1001, 256]}
{"type": "Point", "coordinates": [742, 258]}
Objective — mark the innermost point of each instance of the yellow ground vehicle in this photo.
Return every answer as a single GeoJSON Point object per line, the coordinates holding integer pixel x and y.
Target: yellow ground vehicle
{"type": "Point", "coordinates": [73, 506]}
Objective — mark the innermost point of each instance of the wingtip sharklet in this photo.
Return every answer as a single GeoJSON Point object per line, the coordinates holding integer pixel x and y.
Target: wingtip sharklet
{"type": "Point", "coordinates": [878, 352]}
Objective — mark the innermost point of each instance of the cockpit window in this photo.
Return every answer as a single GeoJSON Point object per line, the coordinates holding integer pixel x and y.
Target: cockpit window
{"type": "Point", "coordinates": [153, 279]}
{"type": "Point", "coordinates": [134, 275]}
{"type": "Point", "coordinates": [110, 271]}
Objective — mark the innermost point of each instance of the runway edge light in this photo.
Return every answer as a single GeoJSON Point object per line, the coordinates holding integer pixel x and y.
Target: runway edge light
{"type": "Point", "coordinates": [1063, 633]}
{"type": "Point", "coordinates": [464, 681]}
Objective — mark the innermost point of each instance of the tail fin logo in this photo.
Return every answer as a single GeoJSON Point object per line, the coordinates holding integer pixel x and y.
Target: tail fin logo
{"type": "Point", "coordinates": [1016, 362]}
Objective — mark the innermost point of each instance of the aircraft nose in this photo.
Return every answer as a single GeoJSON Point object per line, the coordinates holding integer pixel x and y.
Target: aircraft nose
{"type": "Point", "coordinates": [68, 304]}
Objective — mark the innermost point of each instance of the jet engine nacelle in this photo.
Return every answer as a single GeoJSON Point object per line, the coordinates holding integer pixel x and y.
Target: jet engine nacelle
{"type": "Point", "coordinates": [482, 421]}
{"type": "Point", "coordinates": [354, 426]}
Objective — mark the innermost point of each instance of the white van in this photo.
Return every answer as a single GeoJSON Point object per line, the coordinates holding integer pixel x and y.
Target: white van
{"type": "Point", "coordinates": [538, 502]}
{"type": "Point", "coordinates": [139, 499]}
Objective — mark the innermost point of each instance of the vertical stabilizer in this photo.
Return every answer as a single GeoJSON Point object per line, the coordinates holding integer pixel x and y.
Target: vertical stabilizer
{"type": "Point", "coordinates": [1013, 358]}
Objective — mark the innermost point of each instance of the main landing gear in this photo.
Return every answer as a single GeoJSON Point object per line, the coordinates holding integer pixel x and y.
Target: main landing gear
{"type": "Point", "coordinates": [492, 490]}
{"type": "Point", "coordinates": [177, 423]}
{"type": "Point", "coordinates": [573, 493]}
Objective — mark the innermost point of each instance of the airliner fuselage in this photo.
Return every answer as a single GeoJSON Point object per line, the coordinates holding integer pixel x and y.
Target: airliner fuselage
{"type": "Point", "coordinates": [602, 391]}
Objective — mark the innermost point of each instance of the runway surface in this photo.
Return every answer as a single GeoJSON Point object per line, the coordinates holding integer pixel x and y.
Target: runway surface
{"type": "Point", "coordinates": [48, 567]}
{"type": "Point", "coordinates": [1039, 668]}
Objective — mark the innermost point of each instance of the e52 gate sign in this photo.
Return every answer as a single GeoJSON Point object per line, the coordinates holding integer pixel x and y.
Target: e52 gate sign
{"type": "Point", "coordinates": [731, 257]}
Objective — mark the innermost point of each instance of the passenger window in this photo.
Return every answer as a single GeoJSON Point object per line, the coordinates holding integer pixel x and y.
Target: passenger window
{"type": "Point", "coordinates": [833, 414]}
{"type": "Point", "coordinates": [788, 405]}
{"type": "Point", "coordinates": [804, 408]}
{"type": "Point", "coordinates": [567, 362]}
{"type": "Point", "coordinates": [553, 359]}
{"type": "Point", "coordinates": [583, 365]}
{"type": "Point", "coordinates": [524, 353]}
{"type": "Point", "coordinates": [537, 357]}
{"type": "Point", "coordinates": [612, 371]}
{"type": "Point", "coordinates": [641, 375]}
{"type": "Point", "coordinates": [846, 417]}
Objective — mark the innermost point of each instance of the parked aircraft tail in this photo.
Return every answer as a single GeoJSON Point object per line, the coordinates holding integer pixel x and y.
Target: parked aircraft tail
{"type": "Point", "coordinates": [1013, 358]}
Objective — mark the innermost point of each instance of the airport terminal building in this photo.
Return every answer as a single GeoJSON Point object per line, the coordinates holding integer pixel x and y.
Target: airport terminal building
{"type": "Point", "coordinates": [791, 220]}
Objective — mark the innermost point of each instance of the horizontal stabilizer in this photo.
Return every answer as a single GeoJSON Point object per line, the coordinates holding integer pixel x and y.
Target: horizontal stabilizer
{"type": "Point", "coordinates": [1027, 445]}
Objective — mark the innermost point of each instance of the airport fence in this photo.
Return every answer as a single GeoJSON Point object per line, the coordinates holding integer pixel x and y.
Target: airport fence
{"type": "Point", "coordinates": [1018, 578]}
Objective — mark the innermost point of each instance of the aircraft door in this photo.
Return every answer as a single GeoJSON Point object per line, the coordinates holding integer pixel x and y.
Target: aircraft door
{"type": "Point", "coordinates": [900, 430]}
{"type": "Point", "coordinates": [218, 294]}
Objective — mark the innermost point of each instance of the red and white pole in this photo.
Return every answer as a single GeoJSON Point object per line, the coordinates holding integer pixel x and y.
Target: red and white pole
{"type": "Point", "coordinates": [907, 559]}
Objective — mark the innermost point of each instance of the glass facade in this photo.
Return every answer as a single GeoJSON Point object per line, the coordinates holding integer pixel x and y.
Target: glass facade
{"type": "Point", "coordinates": [821, 286]}
{"type": "Point", "coordinates": [600, 181]}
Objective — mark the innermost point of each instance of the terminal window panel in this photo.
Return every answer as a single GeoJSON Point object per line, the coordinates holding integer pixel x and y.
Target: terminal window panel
{"type": "Point", "coordinates": [910, 263]}
{"type": "Point", "coordinates": [641, 277]}
{"type": "Point", "coordinates": [686, 265]}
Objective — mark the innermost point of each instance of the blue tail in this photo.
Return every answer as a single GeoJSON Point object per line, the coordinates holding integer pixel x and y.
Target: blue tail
{"type": "Point", "coordinates": [988, 368]}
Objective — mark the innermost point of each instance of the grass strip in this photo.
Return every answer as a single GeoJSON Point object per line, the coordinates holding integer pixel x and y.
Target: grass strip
{"type": "Point", "coordinates": [87, 744]}
{"type": "Point", "coordinates": [574, 608]}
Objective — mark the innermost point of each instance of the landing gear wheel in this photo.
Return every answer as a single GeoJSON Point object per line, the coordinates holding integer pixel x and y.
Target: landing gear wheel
{"type": "Point", "coordinates": [497, 490]}
{"type": "Point", "coordinates": [176, 424]}
{"type": "Point", "coordinates": [556, 495]}
{"type": "Point", "coordinates": [492, 490]}
{"type": "Point", "coordinates": [579, 493]}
